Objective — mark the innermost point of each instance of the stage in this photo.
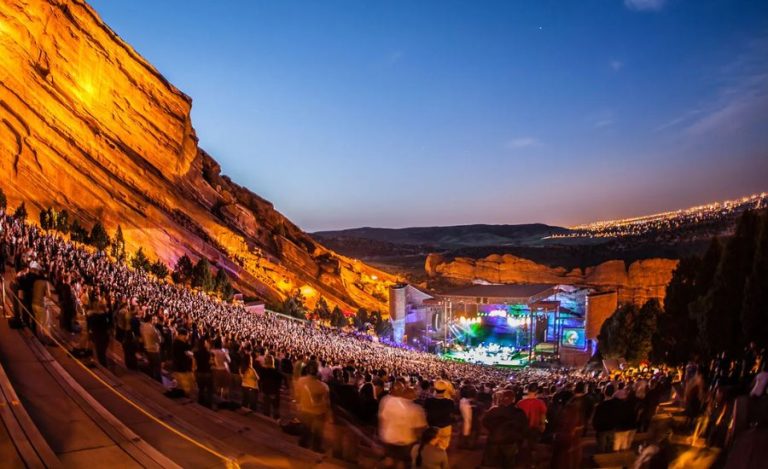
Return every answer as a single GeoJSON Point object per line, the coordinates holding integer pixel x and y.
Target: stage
{"type": "Point", "coordinates": [491, 354]}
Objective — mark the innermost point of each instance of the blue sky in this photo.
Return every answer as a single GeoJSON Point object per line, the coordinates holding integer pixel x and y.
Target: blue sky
{"type": "Point", "coordinates": [415, 113]}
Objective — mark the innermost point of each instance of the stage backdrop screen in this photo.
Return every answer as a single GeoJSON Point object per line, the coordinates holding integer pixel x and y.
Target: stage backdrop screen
{"type": "Point", "coordinates": [574, 338]}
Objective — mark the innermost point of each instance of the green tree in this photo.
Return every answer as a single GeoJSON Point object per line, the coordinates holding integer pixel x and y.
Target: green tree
{"type": "Point", "coordinates": [3, 200]}
{"type": "Point", "coordinates": [61, 221]}
{"type": "Point", "coordinates": [117, 249]}
{"type": "Point", "coordinates": [384, 329]}
{"type": "Point", "coordinates": [45, 219]}
{"type": "Point", "coordinates": [322, 311]}
{"type": "Point", "coordinates": [21, 212]}
{"type": "Point", "coordinates": [719, 311]}
{"type": "Point", "coordinates": [644, 327]}
{"type": "Point", "coordinates": [674, 341]}
{"type": "Point", "coordinates": [201, 275]}
{"type": "Point", "coordinates": [361, 318]}
{"type": "Point", "coordinates": [223, 284]}
{"type": "Point", "coordinates": [615, 338]}
{"type": "Point", "coordinates": [99, 237]}
{"type": "Point", "coordinates": [337, 318]}
{"type": "Point", "coordinates": [220, 279]}
{"type": "Point", "coordinates": [77, 232]}
{"type": "Point", "coordinates": [139, 261]}
{"type": "Point", "coordinates": [159, 269]}
{"type": "Point", "coordinates": [754, 310]}
{"type": "Point", "coordinates": [294, 306]}
{"type": "Point", "coordinates": [182, 272]}
{"type": "Point", "coordinates": [227, 291]}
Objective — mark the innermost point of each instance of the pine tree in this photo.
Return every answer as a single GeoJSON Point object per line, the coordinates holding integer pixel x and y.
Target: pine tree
{"type": "Point", "coordinates": [361, 318]}
{"type": "Point", "coordinates": [77, 232]}
{"type": "Point", "coordinates": [754, 310]}
{"type": "Point", "coordinates": [99, 237]}
{"type": "Point", "coordinates": [159, 269]}
{"type": "Point", "coordinates": [384, 329]}
{"type": "Point", "coordinates": [644, 326]}
{"type": "Point", "coordinates": [62, 221]}
{"type": "Point", "coordinates": [220, 280]}
{"type": "Point", "coordinates": [719, 312]}
{"type": "Point", "coordinates": [117, 249]}
{"type": "Point", "coordinates": [201, 275]}
{"type": "Point", "coordinates": [322, 311]}
{"type": "Point", "coordinates": [182, 272]}
{"type": "Point", "coordinates": [615, 338]}
{"type": "Point", "coordinates": [140, 261]}
{"type": "Point", "coordinates": [674, 341]}
{"type": "Point", "coordinates": [294, 306]}
{"type": "Point", "coordinates": [45, 219]}
{"type": "Point", "coordinates": [227, 292]}
{"type": "Point", "coordinates": [21, 212]}
{"type": "Point", "coordinates": [337, 318]}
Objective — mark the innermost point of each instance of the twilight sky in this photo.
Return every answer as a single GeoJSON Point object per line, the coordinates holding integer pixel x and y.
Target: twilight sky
{"type": "Point", "coordinates": [416, 113]}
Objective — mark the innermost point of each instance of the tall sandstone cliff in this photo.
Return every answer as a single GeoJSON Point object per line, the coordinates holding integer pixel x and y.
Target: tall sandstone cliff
{"type": "Point", "coordinates": [640, 281]}
{"type": "Point", "coordinates": [88, 125]}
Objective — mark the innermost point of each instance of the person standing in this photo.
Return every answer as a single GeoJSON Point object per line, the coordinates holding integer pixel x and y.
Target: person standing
{"type": "Point", "coordinates": [181, 356]}
{"type": "Point", "coordinates": [507, 427]}
{"type": "Point", "coordinates": [604, 420]}
{"type": "Point", "coordinates": [535, 409]}
{"type": "Point", "coordinates": [314, 405]}
{"type": "Point", "coordinates": [270, 382]}
{"type": "Point", "coordinates": [203, 375]}
{"type": "Point", "coordinates": [400, 420]}
{"type": "Point", "coordinates": [249, 381]}
{"type": "Point", "coordinates": [98, 327]}
{"type": "Point", "coordinates": [440, 410]}
{"type": "Point", "coordinates": [151, 338]}
{"type": "Point", "coordinates": [428, 454]}
{"type": "Point", "coordinates": [220, 368]}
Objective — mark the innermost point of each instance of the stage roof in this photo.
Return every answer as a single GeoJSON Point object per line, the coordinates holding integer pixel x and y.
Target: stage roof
{"type": "Point", "coordinates": [501, 291]}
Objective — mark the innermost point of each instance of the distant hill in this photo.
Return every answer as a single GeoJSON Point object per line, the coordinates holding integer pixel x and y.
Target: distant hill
{"type": "Point", "coordinates": [452, 237]}
{"type": "Point", "coordinates": [671, 235]}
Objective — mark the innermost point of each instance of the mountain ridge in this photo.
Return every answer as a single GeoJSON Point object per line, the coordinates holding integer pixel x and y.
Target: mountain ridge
{"type": "Point", "coordinates": [88, 125]}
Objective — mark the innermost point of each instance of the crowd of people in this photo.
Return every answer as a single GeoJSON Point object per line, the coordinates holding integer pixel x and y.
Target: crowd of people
{"type": "Point", "coordinates": [418, 404]}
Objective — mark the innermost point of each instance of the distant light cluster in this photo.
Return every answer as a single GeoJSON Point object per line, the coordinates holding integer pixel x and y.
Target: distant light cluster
{"type": "Point", "coordinates": [711, 214]}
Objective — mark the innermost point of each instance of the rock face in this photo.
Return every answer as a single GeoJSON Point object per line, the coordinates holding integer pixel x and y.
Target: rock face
{"type": "Point", "coordinates": [86, 124]}
{"type": "Point", "coordinates": [642, 280]}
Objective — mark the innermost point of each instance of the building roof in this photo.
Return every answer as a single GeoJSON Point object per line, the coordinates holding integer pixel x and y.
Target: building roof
{"type": "Point", "coordinates": [500, 291]}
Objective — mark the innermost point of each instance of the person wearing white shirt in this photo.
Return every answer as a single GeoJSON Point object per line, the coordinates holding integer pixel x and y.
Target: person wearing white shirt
{"type": "Point", "coordinates": [400, 423]}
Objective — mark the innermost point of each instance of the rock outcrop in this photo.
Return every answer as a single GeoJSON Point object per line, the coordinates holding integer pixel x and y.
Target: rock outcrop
{"type": "Point", "coordinates": [88, 125]}
{"type": "Point", "coordinates": [642, 280]}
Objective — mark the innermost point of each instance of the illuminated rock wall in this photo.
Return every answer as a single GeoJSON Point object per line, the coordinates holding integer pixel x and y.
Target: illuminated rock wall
{"type": "Point", "coordinates": [642, 280]}
{"type": "Point", "coordinates": [88, 125]}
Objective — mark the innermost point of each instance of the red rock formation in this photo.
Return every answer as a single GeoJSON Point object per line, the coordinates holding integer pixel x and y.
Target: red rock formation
{"type": "Point", "coordinates": [88, 125]}
{"type": "Point", "coordinates": [643, 279]}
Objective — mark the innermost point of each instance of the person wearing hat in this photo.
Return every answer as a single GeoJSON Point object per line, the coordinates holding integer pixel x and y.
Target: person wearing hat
{"type": "Point", "coordinates": [440, 410]}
